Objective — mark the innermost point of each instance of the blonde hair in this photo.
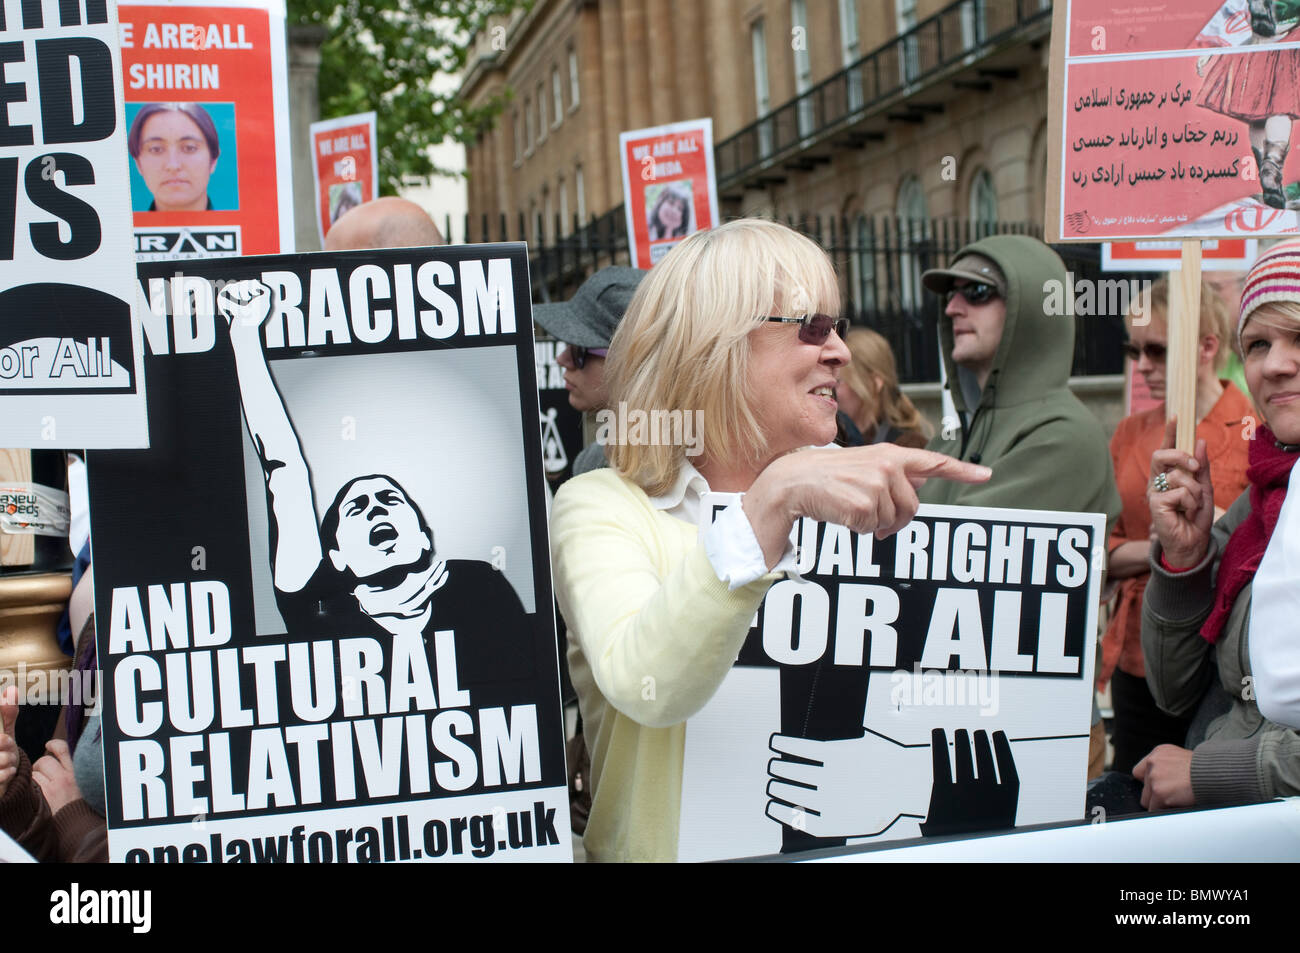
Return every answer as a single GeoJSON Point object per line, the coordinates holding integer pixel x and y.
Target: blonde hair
{"type": "Point", "coordinates": [683, 344]}
{"type": "Point", "coordinates": [873, 358]}
{"type": "Point", "coordinates": [1215, 318]}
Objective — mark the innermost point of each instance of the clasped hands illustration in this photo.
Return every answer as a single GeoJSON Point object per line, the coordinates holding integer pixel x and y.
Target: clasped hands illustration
{"type": "Point", "coordinates": [817, 786]}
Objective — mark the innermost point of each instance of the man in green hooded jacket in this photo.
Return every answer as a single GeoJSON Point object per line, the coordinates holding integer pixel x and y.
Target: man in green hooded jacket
{"type": "Point", "coordinates": [1008, 366]}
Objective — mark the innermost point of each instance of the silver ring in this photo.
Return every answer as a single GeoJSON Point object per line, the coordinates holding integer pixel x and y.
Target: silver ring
{"type": "Point", "coordinates": [1161, 483]}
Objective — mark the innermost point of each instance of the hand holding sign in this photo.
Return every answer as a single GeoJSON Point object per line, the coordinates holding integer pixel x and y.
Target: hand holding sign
{"type": "Point", "coordinates": [972, 802]}
{"type": "Point", "coordinates": [820, 794]}
{"type": "Point", "coordinates": [868, 489]}
{"type": "Point", "coordinates": [8, 747]}
{"type": "Point", "coordinates": [53, 773]}
{"type": "Point", "coordinates": [1181, 499]}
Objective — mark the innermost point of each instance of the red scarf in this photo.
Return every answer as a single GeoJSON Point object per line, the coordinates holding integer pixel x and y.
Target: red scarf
{"type": "Point", "coordinates": [1269, 473]}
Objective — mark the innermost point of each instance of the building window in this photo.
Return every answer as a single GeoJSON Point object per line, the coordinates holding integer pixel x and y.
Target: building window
{"type": "Point", "coordinates": [762, 98]}
{"type": "Point", "coordinates": [913, 214]}
{"type": "Point", "coordinates": [851, 51]}
{"type": "Point", "coordinates": [802, 66]}
{"type": "Point", "coordinates": [564, 209]}
{"type": "Point", "coordinates": [983, 202]}
{"type": "Point", "coordinates": [528, 122]}
{"type": "Point", "coordinates": [580, 193]}
{"type": "Point", "coordinates": [972, 23]}
{"type": "Point", "coordinates": [862, 266]}
{"type": "Point", "coordinates": [519, 138]}
{"type": "Point", "coordinates": [541, 112]}
{"type": "Point", "coordinates": [574, 97]}
{"type": "Point", "coordinates": [555, 95]}
{"type": "Point", "coordinates": [910, 62]}
{"type": "Point", "coordinates": [548, 220]}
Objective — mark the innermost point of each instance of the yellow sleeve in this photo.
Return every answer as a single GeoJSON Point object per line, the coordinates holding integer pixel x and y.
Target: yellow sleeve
{"type": "Point", "coordinates": [656, 625]}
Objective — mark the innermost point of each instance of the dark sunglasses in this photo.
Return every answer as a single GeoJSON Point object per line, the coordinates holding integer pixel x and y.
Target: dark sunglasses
{"type": "Point", "coordinates": [977, 293]}
{"type": "Point", "coordinates": [1155, 352]}
{"type": "Point", "coordinates": [580, 354]}
{"type": "Point", "coordinates": [816, 328]}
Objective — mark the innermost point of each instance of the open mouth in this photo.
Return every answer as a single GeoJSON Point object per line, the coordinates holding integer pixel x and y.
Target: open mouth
{"type": "Point", "coordinates": [382, 533]}
{"type": "Point", "coordinates": [826, 392]}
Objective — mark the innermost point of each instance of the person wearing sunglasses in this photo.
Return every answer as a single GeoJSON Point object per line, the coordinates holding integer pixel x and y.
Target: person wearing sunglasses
{"type": "Point", "coordinates": [742, 324]}
{"type": "Point", "coordinates": [585, 323]}
{"type": "Point", "coordinates": [1008, 363]}
{"type": "Point", "coordinates": [1221, 412]}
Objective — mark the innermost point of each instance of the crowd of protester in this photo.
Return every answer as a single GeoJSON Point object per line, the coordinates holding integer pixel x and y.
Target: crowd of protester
{"type": "Point", "coordinates": [743, 325]}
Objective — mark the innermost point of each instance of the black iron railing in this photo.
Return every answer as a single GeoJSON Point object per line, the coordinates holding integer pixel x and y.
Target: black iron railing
{"type": "Point", "coordinates": [879, 262]}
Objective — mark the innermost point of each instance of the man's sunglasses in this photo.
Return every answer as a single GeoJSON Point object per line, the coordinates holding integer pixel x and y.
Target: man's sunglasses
{"type": "Point", "coordinates": [977, 293]}
{"type": "Point", "coordinates": [580, 354]}
{"type": "Point", "coordinates": [1155, 352]}
{"type": "Point", "coordinates": [816, 328]}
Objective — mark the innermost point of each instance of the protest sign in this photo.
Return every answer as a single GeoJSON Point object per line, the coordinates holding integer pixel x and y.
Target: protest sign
{"type": "Point", "coordinates": [1172, 120]}
{"type": "Point", "coordinates": [207, 113]}
{"type": "Point", "coordinates": [669, 187]}
{"type": "Point", "coordinates": [344, 167]}
{"type": "Point", "coordinates": [70, 351]}
{"type": "Point", "coordinates": [324, 600]}
{"type": "Point", "coordinates": [933, 682]}
{"type": "Point", "coordinates": [1225, 254]}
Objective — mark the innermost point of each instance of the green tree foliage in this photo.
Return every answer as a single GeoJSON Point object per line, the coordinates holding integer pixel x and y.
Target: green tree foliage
{"type": "Point", "coordinates": [383, 55]}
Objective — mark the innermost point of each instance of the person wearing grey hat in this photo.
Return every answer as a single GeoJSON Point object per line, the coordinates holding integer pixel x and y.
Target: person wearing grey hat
{"type": "Point", "coordinates": [586, 324]}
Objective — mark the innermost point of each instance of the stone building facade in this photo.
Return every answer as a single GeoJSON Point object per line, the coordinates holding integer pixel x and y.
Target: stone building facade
{"type": "Point", "coordinates": [923, 109]}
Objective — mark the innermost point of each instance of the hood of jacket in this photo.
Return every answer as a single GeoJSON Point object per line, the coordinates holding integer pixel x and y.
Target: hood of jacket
{"type": "Point", "coordinates": [1037, 349]}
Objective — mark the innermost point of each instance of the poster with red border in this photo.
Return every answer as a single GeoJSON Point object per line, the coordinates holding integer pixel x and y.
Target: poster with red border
{"type": "Point", "coordinates": [344, 167]}
{"type": "Point", "coordinates": [1173, 120]}
{"type": "Point", "coordinates": [207, 118]}
{"type": "Point", "coordinates": [669, 187]}
{"type": "Point", "coordinates": [1222, 254]}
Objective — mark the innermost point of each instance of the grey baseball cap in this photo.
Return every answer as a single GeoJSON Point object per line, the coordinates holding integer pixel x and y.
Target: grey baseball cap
{"type": "Point", "coordinates": [969, 267]}
{"type": "Point", "coordinates": [589, 318]}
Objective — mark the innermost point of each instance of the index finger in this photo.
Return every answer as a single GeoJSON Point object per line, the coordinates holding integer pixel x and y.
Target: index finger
{"type": "Point", "coordinates": [927, 464]}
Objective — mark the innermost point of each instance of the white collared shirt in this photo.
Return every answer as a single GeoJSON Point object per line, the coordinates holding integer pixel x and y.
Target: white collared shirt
{"type": "Point", "coordinates": [730, 543]}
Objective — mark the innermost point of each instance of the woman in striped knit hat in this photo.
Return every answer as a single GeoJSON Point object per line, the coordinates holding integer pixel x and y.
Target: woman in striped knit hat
{"type": "Point", "coordinates": [1204, 578]}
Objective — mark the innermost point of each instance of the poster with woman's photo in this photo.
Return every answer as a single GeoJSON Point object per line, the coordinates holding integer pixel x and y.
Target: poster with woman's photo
{"type": "Point", "coordinates": [345, 167]}
{"type": "Point", "coordinates": [328, 635]}
{"type": "Point", "coordinates": [207, 121]}
{"type": "Point", "coordinates": [669, 188]}
{"type": "Point", "coordinates": [1175, 121]}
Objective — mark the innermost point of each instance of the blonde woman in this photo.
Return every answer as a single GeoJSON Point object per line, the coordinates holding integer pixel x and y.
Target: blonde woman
{"type": "Point", "coordinates": [871, 400]}
{"type": "Point", "coordinates": [737, 323]}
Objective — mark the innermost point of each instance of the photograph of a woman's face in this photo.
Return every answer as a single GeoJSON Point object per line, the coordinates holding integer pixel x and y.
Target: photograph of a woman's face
{"type": "Point", "coordinates": [175, 147]}
{"type": "Point", "coordinates": [670, 210]}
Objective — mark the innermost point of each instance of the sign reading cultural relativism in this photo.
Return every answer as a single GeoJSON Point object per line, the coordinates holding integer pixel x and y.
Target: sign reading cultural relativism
{"type": "Point", "coordinates": [70, 352]}
{"type": "Point", "coordinates": [336, 643]}
{"type": "Point", "coordinates": [938, 681]}
{"type": "Point", "coordinates": [207, 117]}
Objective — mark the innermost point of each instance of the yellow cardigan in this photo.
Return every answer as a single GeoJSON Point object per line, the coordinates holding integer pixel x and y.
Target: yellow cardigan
{"type": "Point", "coordinates": [652, 634]}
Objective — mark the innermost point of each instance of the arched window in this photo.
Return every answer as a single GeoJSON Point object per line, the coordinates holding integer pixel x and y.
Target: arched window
{"type": "Point", "coordinates": [862, 267]}
{"type": "Point", "coordinates": [983, 203]}
{"type": "Point", "coordinates": [913, 222]}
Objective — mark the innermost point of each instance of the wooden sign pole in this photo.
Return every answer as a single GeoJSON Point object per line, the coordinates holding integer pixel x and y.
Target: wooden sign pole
{"type": "Point", "coordinates": [1184, 320]}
